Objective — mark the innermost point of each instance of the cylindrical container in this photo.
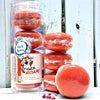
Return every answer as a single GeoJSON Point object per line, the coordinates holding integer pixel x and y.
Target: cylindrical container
{"type": "Point", "coordinates": [27, 31]}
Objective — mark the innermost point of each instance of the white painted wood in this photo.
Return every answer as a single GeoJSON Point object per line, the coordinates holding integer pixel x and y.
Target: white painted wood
{"type": "Point", "coordinates": [81, 12]}
{"type": "Point", "coordinates": [53, 15]}
{"type": "Point", "coordinates": [6, 94]}
{"type": "Point", "coordinates": [2, 45]}
{"type": "Point", "coordinates": [7, 28]}
{"type": "Point", "coordinates": [97, 35]}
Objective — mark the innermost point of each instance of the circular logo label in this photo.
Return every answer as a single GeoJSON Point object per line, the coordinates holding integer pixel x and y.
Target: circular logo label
{"type": "Point", "coordinates": [22, 47]}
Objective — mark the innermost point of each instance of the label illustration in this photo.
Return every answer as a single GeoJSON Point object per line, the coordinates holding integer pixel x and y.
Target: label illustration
{"type": "Point", "coordinates": [22, 47]}
{"type": "Point", "coordinates": [30, 69]}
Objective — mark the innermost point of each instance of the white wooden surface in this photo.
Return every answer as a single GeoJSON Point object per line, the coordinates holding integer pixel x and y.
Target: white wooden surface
{"type": "Point", "coordinates": [6, 94]}
{"type": "Point", "coordinates": [53, 15]}
{"type": "Point", "coordinates": [97, 34]}
{"type": "Point", "coordinates": [81, 12]}
{"type": "Point", "coordinates": [7, 28]}
{"type": "Point", "coordinates": [5, 43]}
{"type": "Point", "coordinates": [2, 45]}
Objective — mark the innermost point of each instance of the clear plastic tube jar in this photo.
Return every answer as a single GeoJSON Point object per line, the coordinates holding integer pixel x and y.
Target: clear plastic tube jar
{"type": "Point", "coordinates": [27, 31]}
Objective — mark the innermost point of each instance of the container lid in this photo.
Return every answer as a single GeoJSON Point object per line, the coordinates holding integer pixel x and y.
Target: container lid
{"type": "Point", "coordinates": [36, 5]}
{"type": "Point", "coordinates": [25, 3]}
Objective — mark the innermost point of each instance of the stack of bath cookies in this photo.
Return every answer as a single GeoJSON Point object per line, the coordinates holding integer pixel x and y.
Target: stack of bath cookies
{"type": "Point", "coordinates": [58, 43]}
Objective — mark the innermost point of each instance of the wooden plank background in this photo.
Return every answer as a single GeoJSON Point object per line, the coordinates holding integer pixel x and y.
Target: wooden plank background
{"type": "Point", "coordinates": [7, 18]}
{"type": "Point", "coordinates": [2, 45]}
{"type": "Point", "coordinates": [97, 38]}
{"type": "Point", "coordinates": [78, 13]}
{"type": "Point", "coordinates": [53, 15]}
{"type": "Point", "coordinates": [79, 23]}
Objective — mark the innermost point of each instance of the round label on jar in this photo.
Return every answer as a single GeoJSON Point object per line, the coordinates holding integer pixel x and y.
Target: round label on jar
{"type": "Point", "coordinates": [22, 47]}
